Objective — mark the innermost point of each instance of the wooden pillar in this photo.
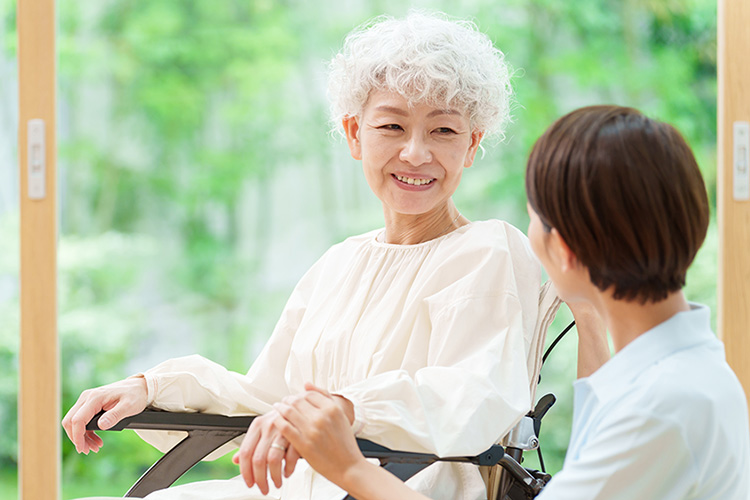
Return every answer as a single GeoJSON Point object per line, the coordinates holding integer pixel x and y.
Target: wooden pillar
{"type": "Point", "coordinates": [733, 210]}
{"type": "Point", "coordinates": [39, 406]}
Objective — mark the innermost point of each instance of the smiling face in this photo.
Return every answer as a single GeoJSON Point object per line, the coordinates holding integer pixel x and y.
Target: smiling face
{"type": "Point", "coordinates": [412, 157]}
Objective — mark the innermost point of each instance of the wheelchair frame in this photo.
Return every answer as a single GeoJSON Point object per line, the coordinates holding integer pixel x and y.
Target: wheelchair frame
{"type": "Point", "coordinates": [507, 479]}
{"type": "Point", "coordinates": [207, 432]}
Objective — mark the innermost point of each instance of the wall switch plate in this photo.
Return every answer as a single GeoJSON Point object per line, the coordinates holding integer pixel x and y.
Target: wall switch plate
{"type": "Point", "coordinates": [741, 161]}
{"type": "Point", "coordinates": [36, 160]}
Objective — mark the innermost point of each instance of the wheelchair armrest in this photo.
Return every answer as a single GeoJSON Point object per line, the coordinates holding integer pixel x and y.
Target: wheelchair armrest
{"type": "Point", "coordinates": [170, 421]}
{"type": "Point", "coordinates": [207, 432]}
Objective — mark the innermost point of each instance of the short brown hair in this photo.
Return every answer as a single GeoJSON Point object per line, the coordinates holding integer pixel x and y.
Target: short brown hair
{"type": "Point", "coordinates": [626, 194]}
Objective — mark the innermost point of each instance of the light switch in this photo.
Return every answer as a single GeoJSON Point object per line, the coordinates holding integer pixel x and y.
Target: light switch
{"type": "Point", "coordinates": [36, 160]}
{"type": "Point", "coordinates": [741, 161]}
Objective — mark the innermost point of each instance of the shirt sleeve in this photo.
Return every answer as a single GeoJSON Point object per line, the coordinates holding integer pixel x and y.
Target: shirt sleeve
{"type": "Point", "coordinates": [474, 389]}
{"type": "Point", "coordinates": [196, 384]}
{"type": "Point", "coordinates": [639, 456]}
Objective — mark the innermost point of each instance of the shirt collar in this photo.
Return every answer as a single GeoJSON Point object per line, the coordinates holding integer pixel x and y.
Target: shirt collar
{"type": "Point", "coordinates": [681, 331]}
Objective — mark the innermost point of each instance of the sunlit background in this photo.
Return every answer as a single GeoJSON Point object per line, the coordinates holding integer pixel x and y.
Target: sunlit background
{"type": "Point", "coordinates": [198, 178]}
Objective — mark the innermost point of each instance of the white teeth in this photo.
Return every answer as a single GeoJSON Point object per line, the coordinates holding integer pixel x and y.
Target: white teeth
{"type": "Point", "coordinates": [415, 182]}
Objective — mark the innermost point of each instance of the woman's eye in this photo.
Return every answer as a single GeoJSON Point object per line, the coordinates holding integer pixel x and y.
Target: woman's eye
{"type": "Point", "coordinates": [445, 130]}
{"type": "Point", "coordinates": [391, 126]}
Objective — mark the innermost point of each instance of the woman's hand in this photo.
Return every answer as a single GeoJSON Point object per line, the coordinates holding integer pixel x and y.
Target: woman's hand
{"type": "Point", "coordinates": [318, 426]}
{"type": "Point", "coordinates": [264, 447]}
{"type": "Point", "coordinates": [119, 400]}
{"type": "Point", "coordinates": [262, 451]}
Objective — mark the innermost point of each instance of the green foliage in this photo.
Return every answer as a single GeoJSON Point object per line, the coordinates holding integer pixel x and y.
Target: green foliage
{"type": "Point", "coordinates": [100, 325]}
{"type": "Point", "coordinates": [9, 326]}
{"type": "Point", "coordinates": [188, 129]}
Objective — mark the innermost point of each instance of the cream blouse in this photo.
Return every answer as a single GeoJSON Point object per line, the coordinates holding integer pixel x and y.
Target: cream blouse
{"type": "Point", "coordinates": [428, 341]}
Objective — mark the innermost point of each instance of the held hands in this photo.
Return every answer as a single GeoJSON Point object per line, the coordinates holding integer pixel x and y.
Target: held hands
{"type": "Point", "coordinates": [267, 441]}
{"type": "Point", "coordinates": [319, 426]}
{"type": "Point", "coordinates": [119, 400]}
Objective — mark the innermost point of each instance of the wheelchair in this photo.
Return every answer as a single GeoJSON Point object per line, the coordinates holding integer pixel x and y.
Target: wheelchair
{"type": "Point", "coordinates": [500, 465]}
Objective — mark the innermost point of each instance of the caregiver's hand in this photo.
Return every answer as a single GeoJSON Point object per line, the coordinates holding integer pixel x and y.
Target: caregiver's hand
{"type": "Point", "coordinates": [264, 447]}
{"type": "Point", "coordinates": [318, 426]}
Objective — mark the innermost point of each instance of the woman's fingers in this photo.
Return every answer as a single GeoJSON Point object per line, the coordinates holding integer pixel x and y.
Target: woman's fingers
{"type": "Point", "coordinates": [317, 427]}
{"type": "Point", "coordinates": [70, 422]}
{"type": "Point", "coordinates": [119, 400]}
{"type": "Point", "coordinates": [293, 435]}
{"type": "Point", "coordinates": [67, 421]}
{"type": "Point", "coordinates": [305, 422]}
{"type": "Point", "coordinates": [76, 420]}
{"type": "Point", "coordinates": [290, 460]}
{"type": "Point", "coordinates": [257, 457]}
{"type": "Point", "coordinates": [93, 442]}
{"type": "Point", "coordinates": [116, 410]}
{"type": "Point", "coordinates": [244, 456]}
{"type": "Point", "coordinates": [319, 397]}
{"type": "Point", "coordinates": [266, 451]}
{"type": "Point", "coordinates": [309, 386]}
{"type": "Point", "coordinates": [285, 424]}
{"type": "Point", "coordinates": [113, 413]}
{"type": "Point", "coordinates": [296, 414]}
{"type": "Point", "coordinates": [260, 462]}
{"type": "Point", "coordinates": [276, 453]}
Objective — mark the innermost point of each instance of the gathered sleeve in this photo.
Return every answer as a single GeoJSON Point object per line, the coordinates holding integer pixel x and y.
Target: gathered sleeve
{"type": "Point", "coordinates": [474, 388]}
{"type": "Point", "coordinates": [195, 384]}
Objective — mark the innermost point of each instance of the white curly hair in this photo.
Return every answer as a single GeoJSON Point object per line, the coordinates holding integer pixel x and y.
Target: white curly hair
{"type": "Point", "coordinates": [425, 57]}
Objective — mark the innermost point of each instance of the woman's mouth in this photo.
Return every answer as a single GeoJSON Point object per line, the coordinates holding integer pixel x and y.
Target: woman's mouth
{"type": "Point", "coordinates": [413, 181]}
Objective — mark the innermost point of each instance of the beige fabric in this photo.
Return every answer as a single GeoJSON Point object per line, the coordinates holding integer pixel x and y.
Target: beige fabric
{"type": "Point", "coordinates": [549, 303]}
{"type": "Point", "coordinates": [430, 342]}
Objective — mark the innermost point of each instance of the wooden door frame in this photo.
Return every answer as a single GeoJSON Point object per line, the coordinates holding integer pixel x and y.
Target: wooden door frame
{"type": "Point", "coordinates": [733, 297]}
{"type": "Point", "coordinates": [39, 385]}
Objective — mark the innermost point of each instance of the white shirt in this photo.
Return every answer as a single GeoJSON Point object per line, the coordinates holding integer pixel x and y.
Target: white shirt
{"type": "Point", "coordinates": [429, 342]}
{"type": "Point", "coordinates": [664, 419]}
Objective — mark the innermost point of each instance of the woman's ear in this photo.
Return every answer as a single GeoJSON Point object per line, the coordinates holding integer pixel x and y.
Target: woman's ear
{"type": "Point", "coordinates": [351, 129]}
{"type": "Point", "coordinates": [567, 259]}
{"type": "Point", "coordinates": [476, 138]}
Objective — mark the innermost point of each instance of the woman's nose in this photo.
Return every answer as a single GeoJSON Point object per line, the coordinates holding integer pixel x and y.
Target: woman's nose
{"type": "Point", "coordinates": [415, 152]}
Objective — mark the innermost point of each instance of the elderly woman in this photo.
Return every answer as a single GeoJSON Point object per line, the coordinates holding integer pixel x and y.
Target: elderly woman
{"type": "Point", "coordinates": [420, 330]}
{"type": "Point", "coordinates": [665, 418]}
